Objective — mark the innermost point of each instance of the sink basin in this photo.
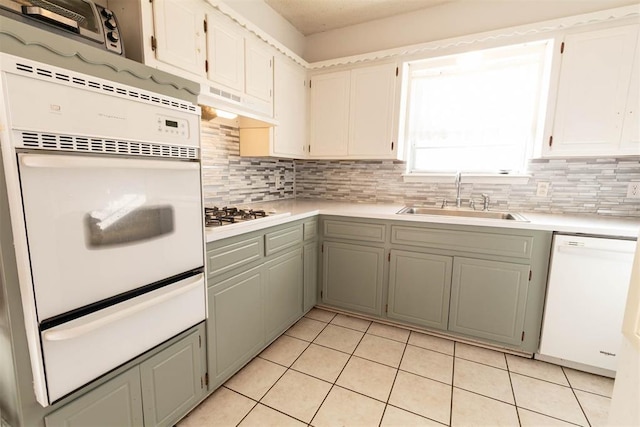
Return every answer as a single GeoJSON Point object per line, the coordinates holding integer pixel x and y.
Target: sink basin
{"type": "Point", "coordinates": [410, 210]}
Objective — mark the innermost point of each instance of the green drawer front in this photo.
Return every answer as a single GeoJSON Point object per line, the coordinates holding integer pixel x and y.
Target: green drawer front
{"type": "Point", "coordinates": [310, 230]}
{"type": "Point", "coordinates": [467, 241]}
{"type": "Point", "coordinates": [282, 239]}
{"type": "Point", "coordinates": [228, 257]}
{"type": "Point", "coordinates": [355, 231]}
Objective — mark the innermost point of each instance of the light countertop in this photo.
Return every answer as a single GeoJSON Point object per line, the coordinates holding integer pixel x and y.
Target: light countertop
{"type": "Point", "coordinates": [284, 211]}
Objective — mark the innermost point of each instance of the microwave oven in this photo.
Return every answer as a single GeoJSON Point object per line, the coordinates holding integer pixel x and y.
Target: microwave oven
{"type": "Point", "coordinates": [82, 20]}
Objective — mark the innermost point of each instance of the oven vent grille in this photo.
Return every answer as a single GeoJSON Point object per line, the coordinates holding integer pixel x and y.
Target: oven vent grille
{"type": "Point", "coordinates": [101, 86]}
{"type": "Point", "coordinates": [109, 146]}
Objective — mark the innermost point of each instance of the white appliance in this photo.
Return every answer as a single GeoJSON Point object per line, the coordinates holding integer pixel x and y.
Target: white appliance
{"type": "Point", "coordinates": [106, 212]}
{"type": "Point", "coordinates": [586, 296]}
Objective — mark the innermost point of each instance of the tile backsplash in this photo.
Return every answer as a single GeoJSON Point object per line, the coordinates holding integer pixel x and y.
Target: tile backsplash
{"type": "Point", "coordinates": [588, 186]}
{"type": "Point", "coordinates": [231, 180]}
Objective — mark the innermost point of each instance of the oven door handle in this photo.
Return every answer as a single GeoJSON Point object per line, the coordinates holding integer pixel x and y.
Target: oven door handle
{"type": "Point", "coordinates": [83, 326]}
{"type": "Point", "coordinates": [82, 162]}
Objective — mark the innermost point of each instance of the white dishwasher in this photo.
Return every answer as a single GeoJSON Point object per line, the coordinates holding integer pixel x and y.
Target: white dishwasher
{"type": "Point", "coordinates": [586, 295]}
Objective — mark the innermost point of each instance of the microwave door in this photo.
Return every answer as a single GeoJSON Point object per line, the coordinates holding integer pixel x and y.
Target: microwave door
{"type": "Point", "coordinates": [99, 227]}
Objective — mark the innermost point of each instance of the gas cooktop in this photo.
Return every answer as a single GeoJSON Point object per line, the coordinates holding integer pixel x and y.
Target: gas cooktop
{"type": "Point", "coordinates": [215, 217]}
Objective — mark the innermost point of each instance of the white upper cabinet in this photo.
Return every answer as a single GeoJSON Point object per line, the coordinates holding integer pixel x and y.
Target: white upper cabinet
{"type": "Point", "coordinates": [225, 53]}
{"type": "Point", "coordinates": [179, 34]}
{"type": "Point", "coordinates": [290, 109]}
{"type": "Point", "coordinates": [329, 109]}
{"type": "Point", "coordinates": [289, 138]}
{"type": "Point", "coordinates": [352, 113]}
{"type": "Point", "coordinates": [258, 70]}
{"type": "Point", "coordinates": [596, 109]}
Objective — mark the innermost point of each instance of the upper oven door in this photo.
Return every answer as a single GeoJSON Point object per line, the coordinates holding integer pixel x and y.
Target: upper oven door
{"type": "Point", "coordinates": [101, 226]}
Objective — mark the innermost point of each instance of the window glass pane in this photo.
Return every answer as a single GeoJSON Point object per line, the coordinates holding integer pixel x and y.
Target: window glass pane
{"type": "Point", "coordinates": [475, 112]}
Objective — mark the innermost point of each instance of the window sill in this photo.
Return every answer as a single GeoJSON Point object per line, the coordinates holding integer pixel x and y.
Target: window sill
{"type": "Point", "coordinates": [473, 178]}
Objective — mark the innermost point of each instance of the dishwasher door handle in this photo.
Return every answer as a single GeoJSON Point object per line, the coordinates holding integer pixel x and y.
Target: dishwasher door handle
{"type": "Point", "coordinates": [581, 246]}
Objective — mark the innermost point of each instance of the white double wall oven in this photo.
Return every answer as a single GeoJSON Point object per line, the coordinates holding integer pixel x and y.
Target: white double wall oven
{"type": "Point", "coordinates": [106, 212]}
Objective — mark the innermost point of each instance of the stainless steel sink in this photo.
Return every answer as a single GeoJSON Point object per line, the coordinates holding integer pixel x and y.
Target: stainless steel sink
{"type": "Point", "coordinates": [411, 210]}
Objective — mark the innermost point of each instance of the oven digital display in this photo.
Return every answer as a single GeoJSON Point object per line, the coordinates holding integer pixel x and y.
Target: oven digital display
{"type": "Point", "coordinates": [171, 123]}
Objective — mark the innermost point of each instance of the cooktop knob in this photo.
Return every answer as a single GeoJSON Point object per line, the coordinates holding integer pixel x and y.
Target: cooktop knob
{"type": "Point", "coordinates": [113, 36]}
{"type": "Point", "coordinates": [107, 13]}
{"type": "Point", "coordinates": [110, 23]}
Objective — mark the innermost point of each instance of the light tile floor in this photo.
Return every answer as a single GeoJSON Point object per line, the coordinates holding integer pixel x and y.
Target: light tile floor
{"type": "Point", "coordinates": [334, 370]}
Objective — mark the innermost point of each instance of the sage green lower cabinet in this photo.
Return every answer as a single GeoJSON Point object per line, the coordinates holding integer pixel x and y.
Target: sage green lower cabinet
{"type": "Point", "coordinates": [488, 299]}
{"type": "Point", "coordinates": [419, 288]}
{"type": "Point", "coordinates": [157, 391]}
{"type": "Point", "coordinates": [352, 276]}
{"type": "Point", "coordinates": [310, 255]}
{"type": "Point", "coordinates": [172, 382]}
{"type": "Point", "coordinates": [283, 292]}
{"type": "Point", "coordinates": [114, 403]}
{"type": "Point", "coordinates": [235, 327]}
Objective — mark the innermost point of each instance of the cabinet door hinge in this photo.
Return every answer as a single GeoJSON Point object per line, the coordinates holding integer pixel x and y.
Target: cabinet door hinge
{"type": "Point", "coordinates": [201, 382]}
{"type": "Point", "coordinates": [522, 336]}
{"type": "Point", "coordinates": [200, 341]}
{"type": "Point", "coordinates": [154, 43]}
{"type": "Point", "coordinates": [321, 293]}
{"type": "Point", "coordinates": [562, 47]}
{"type": "Point", "coordinates": [391, 145]}
{"type": "Point", "coordinates": [530, 273]}
{"type": "Point", "coordinates": [206, 379]}
{"type": "Point", "coordinates": [397, 69]}
{"type": "Point", "coordinates": [550, 140]}
{"type": "Point", "coordinates": [204, 23]}
{"type": "Point", "coordinates": [386, 308]}
{"type": "Point", "coordinates": [206, 65]}
{"type": "Point", "coordinates": [389, 257]}
{"type": "Point", "coordinates": [309, 148]}
{"type": "Point", "coordinates": [309, 83]}
{"type": "Point", "coordinates": [322, 248]}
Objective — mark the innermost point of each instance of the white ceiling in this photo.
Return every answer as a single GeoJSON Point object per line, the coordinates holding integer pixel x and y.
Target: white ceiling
{"type": "Point", "coordinates": [316, 16]}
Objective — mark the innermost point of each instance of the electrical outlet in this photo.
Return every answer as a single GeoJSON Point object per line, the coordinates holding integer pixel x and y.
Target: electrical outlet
{"type": "Point", "coordinates": [543, 189]}
{"type": "Point", "coordinates": [633, 190]}
{"type": "Point", "coordinates": [277, 182]}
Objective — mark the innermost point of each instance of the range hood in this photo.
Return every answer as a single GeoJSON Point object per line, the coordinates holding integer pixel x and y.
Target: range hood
{"type": "Point", "coordinates": [251, 112]}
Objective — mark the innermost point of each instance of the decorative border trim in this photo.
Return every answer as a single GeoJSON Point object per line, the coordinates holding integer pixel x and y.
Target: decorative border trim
{"type": "Point", "coordinates": [80, 56]}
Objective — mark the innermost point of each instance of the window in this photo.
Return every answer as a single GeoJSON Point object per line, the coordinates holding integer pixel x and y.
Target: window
{"type": "Point", "coordinates": [477, 111]}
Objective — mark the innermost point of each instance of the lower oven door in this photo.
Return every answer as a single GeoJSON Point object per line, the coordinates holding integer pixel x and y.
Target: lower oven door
{"type": "Point", "coordinates": [98, 227]}
{"type": "Point", "coordinates": [81, 350]}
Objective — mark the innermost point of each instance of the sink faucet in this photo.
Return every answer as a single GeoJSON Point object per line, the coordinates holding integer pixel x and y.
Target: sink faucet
{"type": "Point", "coordinates": [457, 182]}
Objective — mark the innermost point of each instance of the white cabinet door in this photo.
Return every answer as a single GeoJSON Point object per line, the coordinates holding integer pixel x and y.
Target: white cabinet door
{"type": "Point", "coordinates": [290, 108]}
{"type": "Point", "coordinates": [372, 111]}
{"type": "Point", "coordinates": [225, 53]}
{"type": "Point", "coordinates": [592, 92]}
{"type": "Point", "coordinates": [258, 70]}
{"type": "Point", "coordinates": [179, 34]}
{"type": "Point", "coordinates": [329, 125]}
{"type": "Point", "coordinates": [630, 142]}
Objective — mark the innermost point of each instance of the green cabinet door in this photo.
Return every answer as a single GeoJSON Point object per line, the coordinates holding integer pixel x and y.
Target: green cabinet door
{"type": "Point", "coordinates": [172, 381]}
{"type": "Point", "coordinates": [419, 288]}
{"type": "Point", "coordinates": [310, 253]}
{"type": "Point", "coordinates": [117, 402]}
{"type": "Point", "coordinates": [488, 299]}
{"type": "Point", "coordinates": [283, 292]}
{"type": "Point", "coordinates": [235, 328]}
{"type": "Point", "coordinates": [352, 276]}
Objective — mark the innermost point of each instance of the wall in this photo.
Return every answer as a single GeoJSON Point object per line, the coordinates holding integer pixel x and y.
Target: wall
{"type": "Point", "coordinates": [453, 19]}
{"type": "Point", "coordinates": [593, 186]}
{"type": "Point", "coordinates": [229, 179]}
{"type": "Point", "coordinates": [269, 21]}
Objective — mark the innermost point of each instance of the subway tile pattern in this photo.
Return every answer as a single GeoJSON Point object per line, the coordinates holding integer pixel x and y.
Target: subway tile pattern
{"type": "Point", "coordinates": [228, 179]}
{"type": "Point", "coordinates": [392, 376]}
{"type": "Point", "coordinates": [578, 186]}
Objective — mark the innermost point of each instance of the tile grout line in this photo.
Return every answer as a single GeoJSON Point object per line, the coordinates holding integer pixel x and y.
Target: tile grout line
{"type": "Point", "coordinates": [453, 373]}
{"type": "Point", "coordinates": [341, 371]}
{"type": "Point", "coordinates": [576, 397]}
{"type": "Point", "coordinates": [394, 380]}
{"type": "Point", "coordinates": [513, 392]}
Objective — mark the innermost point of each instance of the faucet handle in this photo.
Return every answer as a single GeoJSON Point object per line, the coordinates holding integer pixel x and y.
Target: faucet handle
{"type": "Point", "coordinates": [485, 201]}
{"type": "Point", "coordinates": [444, 203]}
{"type": "Point", "coordinates": [472, 204]}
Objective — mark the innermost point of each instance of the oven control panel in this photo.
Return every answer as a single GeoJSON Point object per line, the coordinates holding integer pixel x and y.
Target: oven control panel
{"type": "Point", "coordinates": [173, 127]}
